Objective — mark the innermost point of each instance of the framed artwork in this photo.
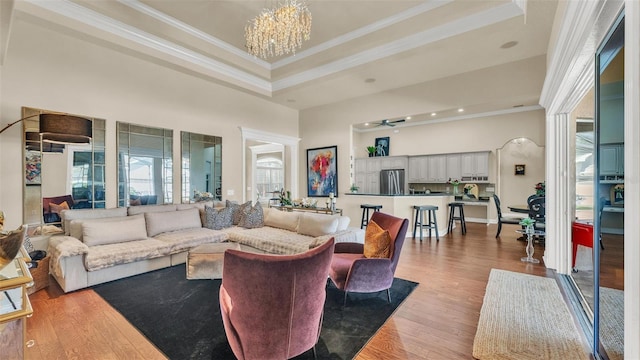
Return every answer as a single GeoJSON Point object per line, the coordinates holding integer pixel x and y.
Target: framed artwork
{"type": "Point", "coordinates": [33, 167]}
{"type": "Point", "coordinates": [322, 171]}
{"type": "Point", "coordinates": [520, 169]}
{"type": "Point", "coordinates": [382, 146]}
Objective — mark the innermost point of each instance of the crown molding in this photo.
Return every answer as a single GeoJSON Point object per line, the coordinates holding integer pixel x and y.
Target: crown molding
{"type": "Point", "coordinates": [363, 31]}
{"type": "Point", "coordinates": [181, 55]}
{"type": "Point", "coordinates": [457, 27]}
{"type": "Point", "coordinates": [176, 52]}
{"type": "Point", "coordinates": [190, 30]}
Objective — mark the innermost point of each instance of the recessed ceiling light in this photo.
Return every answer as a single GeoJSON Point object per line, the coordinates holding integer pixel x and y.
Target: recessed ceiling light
{"type": "Point", "coordinates": [396, 131]}
{"type": "Point", "coordinates": [370, 80]}
{"type": "Point", "coordinates": [408, 117]}
{"type": "Point", "coordinates": [460, 110]}
{"type": "Point", "coordinates": [433, 114]}
{"type": "Point", "coordinates": [366, 124]}
{"type": "Point", "coordinates": [509, 44]}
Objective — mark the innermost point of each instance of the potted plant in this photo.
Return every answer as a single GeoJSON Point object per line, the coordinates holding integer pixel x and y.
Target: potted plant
{"type": "Point", "coordinates": [528, 224]}
{"type": "Point", "coordinates": [354, 188]}
{"type": "Point", "coordinates": [371, 150]}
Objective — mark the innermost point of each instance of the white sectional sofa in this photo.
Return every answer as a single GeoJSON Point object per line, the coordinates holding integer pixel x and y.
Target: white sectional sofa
{"type": "Point", "coordinates": [101, 245]}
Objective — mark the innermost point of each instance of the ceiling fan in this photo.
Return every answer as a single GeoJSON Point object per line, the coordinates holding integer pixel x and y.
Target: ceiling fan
{"type": "Point", "coordinates": [390, 123]}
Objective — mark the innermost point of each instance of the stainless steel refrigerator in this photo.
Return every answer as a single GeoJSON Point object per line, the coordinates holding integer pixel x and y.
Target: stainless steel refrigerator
{"type": "Point", "coordinates": [392, 182]}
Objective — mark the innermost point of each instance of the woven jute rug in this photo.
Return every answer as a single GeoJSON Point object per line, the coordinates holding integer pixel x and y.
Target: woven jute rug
{"type": "Point", "coordinates": [612, 322]}
{"type": "Point", "coordinates": [525, 317]}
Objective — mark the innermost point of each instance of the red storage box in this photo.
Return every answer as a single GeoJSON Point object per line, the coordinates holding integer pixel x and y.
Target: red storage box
{"type": "Point", "coordinates": [581, 234]}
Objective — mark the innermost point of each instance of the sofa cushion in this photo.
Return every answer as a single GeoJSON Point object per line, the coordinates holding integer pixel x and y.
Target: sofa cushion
{"type": "Point", "coordinates": [343, 223]}
{"type": "Point", "coordinates": [282, 220]}
{"type": "Point", "coordinates": [218, 218]}
{"type": "Point", "coordinates": [76, 225]}
{"type": "Point", "coordinates": [317, 224]}
{"type": "Point", "coordinates": [271, 240]}
{"type": "Point", "coordinates": [104, 256]}
{"type": "Point", "coordinates": [252, 217]}
{"type": "Point", "coordinates": [98, 232]}
{"type": "Point", "coordinates": [200, 206]}
{"type": "Point", "coordinates": [135, 210]}
{"type": "Point", "coordinates": [160, 222]}
{"type": "Point", "coordinates": [183, 240]}
{"type": "Point", "coordinates": [69, 215]}
{"type": "Point", "coordinates": [377, 241]}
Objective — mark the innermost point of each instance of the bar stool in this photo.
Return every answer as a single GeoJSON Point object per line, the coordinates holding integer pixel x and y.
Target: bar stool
{"type": "Point", "coordinates": [431, 224]}
{"type": "Point", "coordinates": [452, 216]}
{"type": "Point", "coordinates": [365, 213]}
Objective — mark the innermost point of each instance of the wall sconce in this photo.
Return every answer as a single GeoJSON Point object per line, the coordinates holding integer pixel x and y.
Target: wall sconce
{"type": "Point", "coordinates": [61, 128]}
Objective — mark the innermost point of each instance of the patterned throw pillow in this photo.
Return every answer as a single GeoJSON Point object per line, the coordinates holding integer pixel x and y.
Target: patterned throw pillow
{"type": "Point", "coordinates": [252, 217]}
{"type": "Point", "coordinates": [238, 210]}
{"type": "Point", "coordinates": [377, 242]}
{"type": "Point", "coordinates": [217, 219]}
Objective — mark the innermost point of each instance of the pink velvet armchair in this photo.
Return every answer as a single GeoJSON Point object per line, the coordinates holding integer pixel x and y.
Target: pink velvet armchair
{"type": "Point", "coordinates": [351, 271]}
{"type": "Point", "coordinates": [272, 305]}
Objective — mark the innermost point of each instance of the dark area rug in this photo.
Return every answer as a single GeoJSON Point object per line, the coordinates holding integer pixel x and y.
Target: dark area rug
{"type": "Point", "coordinates": [182, 317]}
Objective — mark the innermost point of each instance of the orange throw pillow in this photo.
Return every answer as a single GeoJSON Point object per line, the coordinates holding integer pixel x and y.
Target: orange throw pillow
{"type": "Point", "coordinates": [377, 242]}
{"type": "Point", "coordinates": [57, 208]}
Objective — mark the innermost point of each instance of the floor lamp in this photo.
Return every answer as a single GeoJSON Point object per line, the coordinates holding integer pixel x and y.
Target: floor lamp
{"type": "Point", "coordinates": [56, 129]}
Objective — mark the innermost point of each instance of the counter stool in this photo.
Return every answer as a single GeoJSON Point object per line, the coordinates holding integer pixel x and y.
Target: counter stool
{"type": "Point", "coordinates": [431, 224]}
{"type": "Point", "coordinates": [365, 213]}
{"type": "Point", "coordinates": [452, 216]}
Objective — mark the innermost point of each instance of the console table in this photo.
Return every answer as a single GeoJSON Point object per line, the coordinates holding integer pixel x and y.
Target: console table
{"type": "Point", "coordinates": [14, 308]}
{"type": "Point", "coordinates": [308, 209]}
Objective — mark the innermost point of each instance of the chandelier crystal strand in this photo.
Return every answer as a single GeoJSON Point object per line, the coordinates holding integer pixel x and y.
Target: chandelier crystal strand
{"type": "Point", "coordinates": [279, 31]}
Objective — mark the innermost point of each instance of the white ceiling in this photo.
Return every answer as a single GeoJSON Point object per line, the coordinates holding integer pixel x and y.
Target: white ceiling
{"type": "Point", "coordinates": [393, 44]}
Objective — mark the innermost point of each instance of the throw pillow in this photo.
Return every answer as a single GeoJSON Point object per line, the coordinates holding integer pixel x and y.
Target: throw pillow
{"type": "Point", "coordinates": [377, 242]}
{"type": "Point", "coordinates": [252, 217]}
{"type": "Point", "coordinates": [57, 208]}
{"type": "Point", "coordinates": [217, 219]}
{"type": "Point", "coordinates": [238, 210]}
{"type": "Point", "coordinates": [135, 202]}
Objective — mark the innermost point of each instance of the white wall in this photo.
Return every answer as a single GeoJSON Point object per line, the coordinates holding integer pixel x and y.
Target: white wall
{"type": "Point", "coordinates": [57, 71]}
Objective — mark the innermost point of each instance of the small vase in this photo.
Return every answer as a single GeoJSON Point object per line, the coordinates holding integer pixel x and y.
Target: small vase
{"type": "Point", "coordinates": [529, 229]}
{"type": "Point", "coordinates": [455, 189]}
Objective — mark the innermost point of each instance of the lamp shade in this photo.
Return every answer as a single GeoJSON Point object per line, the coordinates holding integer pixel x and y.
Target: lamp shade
{"type": "Point", "coordinates": [65, 129]}
{"type": "Point", "coordinates": [33, 144]}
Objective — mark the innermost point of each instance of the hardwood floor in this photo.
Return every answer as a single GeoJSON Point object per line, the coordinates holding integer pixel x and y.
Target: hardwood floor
{"type": "Point", "coordinates": [437, 321]}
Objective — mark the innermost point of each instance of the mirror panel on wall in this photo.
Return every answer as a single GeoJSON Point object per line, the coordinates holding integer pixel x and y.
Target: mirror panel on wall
{"type": "Point", "coordinates": [145, 174]}
{"type": "Point", "coordinates": [201, 167]}
{"type": "Point", "coordinates": [59, 176]}
{"type": "Point", "coordinates": [609, 193]}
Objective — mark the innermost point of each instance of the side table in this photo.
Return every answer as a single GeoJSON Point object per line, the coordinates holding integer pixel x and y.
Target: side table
{"type": "Point", "coordinates": [14, 309]}
{"type": "Point", "coordinates": [40, 275]}
{"type": "Point", "coordinates": [529, 249]}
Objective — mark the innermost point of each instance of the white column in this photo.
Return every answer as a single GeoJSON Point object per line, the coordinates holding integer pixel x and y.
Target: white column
{"type": "Point", "coordinates": [558, 208]}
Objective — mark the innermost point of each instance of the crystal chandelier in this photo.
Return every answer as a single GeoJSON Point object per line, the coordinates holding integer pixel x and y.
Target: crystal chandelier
{"type": "Point", "coordinates": [279, 31]}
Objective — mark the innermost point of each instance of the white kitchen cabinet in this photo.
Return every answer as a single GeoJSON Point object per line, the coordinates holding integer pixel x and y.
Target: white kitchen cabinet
{"type": "Point", "coordinates": [474, 166]}
{"type": "Point", "coordinates": [436, 169]}
{"type": "Point", "coordinates": [453, 167]}
{"type": "Point", "coordinates": [612, 162]}
{"type": "Point", "coordinates": [419, 169]}
{"type": "Point", "coordinates": [393, 162]}
{"type": "Point", "coordinates": [413, 173]}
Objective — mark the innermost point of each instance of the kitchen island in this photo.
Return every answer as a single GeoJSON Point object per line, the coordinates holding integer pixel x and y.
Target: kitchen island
{"type": "Point", "coordinates": [402, 206]}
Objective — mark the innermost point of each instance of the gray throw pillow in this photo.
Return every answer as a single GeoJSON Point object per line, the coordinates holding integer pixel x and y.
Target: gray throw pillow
{"type": "Point", "coordinates": [217, 219]}
{"type": "Point", "coordinates": [238, 210]}
{"type": "Point", "coordinates": [252, 217]}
